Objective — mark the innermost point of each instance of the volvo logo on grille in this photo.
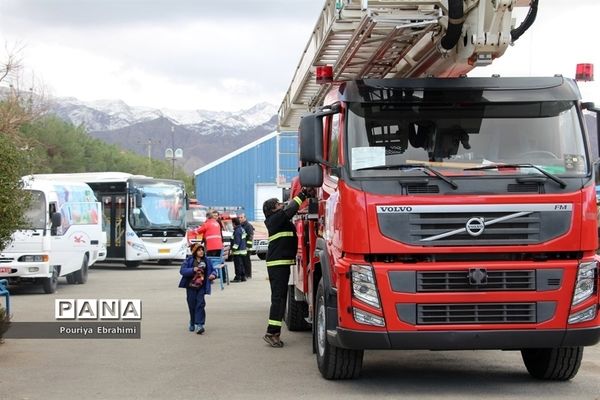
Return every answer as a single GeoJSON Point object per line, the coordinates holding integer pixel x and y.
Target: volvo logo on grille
{"type": "Point", "coordinates": [475, 226]}
{"type": "Point", "coordinates": [478, 276]}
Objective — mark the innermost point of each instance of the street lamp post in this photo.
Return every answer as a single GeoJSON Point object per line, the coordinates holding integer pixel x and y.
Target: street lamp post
{"type": "Point", "coordinates": [171, 153]}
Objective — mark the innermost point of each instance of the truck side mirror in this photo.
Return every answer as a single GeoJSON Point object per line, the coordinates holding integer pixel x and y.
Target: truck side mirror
{"type": "Point", "coordinates": [311, 176]}
{"type": "Point", "coordinates": [311, 138]}
{"type": "Point", "coordinates": [56, 221]}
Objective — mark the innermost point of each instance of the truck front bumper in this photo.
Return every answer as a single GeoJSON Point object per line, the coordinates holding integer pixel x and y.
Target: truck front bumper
{"type": "Point", "coordinates": [463, 340]}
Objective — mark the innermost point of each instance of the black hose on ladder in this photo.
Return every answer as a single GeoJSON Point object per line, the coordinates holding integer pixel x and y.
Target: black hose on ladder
{"type": "Point", "coordinates": [455, 23]}
{"type": "Point", "coordinates": [527, 22]}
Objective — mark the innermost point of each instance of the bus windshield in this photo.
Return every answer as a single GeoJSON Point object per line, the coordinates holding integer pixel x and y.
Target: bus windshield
{"type": "Point", "coordinates": [35, 214]}
{"type": "Point", "coordinates": [157, 205]}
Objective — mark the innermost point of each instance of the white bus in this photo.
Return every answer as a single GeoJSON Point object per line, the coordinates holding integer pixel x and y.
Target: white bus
{"type": "Point", "coordinates": [62, 235]}
{"type": "Point", "coordinates": [144, 217]}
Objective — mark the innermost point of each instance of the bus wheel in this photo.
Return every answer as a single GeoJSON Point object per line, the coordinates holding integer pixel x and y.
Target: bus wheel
{"type": "Point", "coordinates": [165, 262]}
{"type": "Point", "coordinates": [132, 264]}
{"type": "Point", "coordinates": [81, 276]}
{"type": "Point", "coordinates": [334, 362]}
{"type": "Point", "coordinates": [50, 284]}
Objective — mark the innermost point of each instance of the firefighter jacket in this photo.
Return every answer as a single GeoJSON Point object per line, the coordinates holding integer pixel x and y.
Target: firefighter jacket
{"type": "Point", "coordinates": [211, 234]}
{"type": "Point", "coordinates": [239, 241]}
{"type": "Point", "coordinates": [283, 241]}
{"type": "Point", "coordinates": [249, 233]}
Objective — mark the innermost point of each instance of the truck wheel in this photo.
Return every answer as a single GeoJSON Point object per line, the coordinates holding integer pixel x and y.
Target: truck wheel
{"type": "Point", "coordinates": [262, 256]}
{"type": "Point", "coordinates": [81, 275]}
{"type": "Point", "coordinates": [132, 264]}
{"type": "Point", "coordinates": [50, 284]}
{"type": "Point", "coordinates": [334, 362]}
{"type": "Point", "coordinates": [559, 364]}
{"type": "Point", "coordinates": [295, 312]}
{"type": "Point", "coordinates": [71, 278]}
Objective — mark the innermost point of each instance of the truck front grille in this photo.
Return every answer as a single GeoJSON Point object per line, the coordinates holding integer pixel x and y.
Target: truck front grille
{"type": "Point", "coordinates": [455, 281]}
{"type": "Point", "coordinates": [476, 225]}
{"type": "Point", "coordinates": [476, 313]}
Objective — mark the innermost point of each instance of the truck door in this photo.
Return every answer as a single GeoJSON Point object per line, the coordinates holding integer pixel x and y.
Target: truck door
{"type": "Point", "coordinates": [114, 217]}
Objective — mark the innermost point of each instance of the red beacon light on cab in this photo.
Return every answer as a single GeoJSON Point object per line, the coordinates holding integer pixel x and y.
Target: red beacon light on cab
{"type": "Point", "coordinates": [584, 72]}
{"type": "Point", "coordinates": [324, 74]}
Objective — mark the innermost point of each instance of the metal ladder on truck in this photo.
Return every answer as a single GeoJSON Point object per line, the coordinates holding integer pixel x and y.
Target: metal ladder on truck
{"type": "Point", "coordinates": [400, 39]}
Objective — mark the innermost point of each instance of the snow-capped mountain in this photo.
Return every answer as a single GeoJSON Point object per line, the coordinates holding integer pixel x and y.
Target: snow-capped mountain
{"type": "Point", "coordinates": [108, 115]}
{"type": "Point", "coordinates": [203, 135]}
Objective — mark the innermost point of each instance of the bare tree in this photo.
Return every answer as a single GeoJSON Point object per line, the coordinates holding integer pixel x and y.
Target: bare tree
{"type": "Point", "coordinates": [20, 103]}
{"type": "Point", "coordinates": [17, 107]}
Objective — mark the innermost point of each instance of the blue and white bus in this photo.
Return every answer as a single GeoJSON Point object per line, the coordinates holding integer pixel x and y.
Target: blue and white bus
{"type": "Point", "coordinates": [144, 217]}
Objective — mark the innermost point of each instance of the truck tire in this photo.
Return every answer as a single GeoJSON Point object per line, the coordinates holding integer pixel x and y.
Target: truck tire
{"type": "Point", "coordinates": [558, 364]}
{"type": "Point", "coordinates": [334, 362]}
{"type": "Point", "coordinates": [71, 278]}
{"type": "Point", "coordinates": [132, 264]}
{"type": "Point", "coordinates": [295, 312]}
{"type": "Point", "coordinates": [81, 276]}
{"type": "Point", "coordinates": [50, 284]}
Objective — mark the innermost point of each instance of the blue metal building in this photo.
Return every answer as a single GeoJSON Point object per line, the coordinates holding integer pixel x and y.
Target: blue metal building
{"type": "Point", "coordinates": [250, 175]}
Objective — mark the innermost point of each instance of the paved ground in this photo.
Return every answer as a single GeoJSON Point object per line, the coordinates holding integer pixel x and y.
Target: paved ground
{"type": "Point", "coordinates": [230, 361]}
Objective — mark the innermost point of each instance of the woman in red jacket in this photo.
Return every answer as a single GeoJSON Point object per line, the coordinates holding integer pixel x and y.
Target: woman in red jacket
{"type": "Point", "coordinates": [211, 235]}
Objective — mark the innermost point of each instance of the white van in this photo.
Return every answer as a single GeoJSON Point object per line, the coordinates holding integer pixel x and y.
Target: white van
{"type": "Point", "coordinates": [63, 235]}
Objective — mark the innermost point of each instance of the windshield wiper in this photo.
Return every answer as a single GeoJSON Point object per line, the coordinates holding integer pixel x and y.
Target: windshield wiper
{"type": "Point", "coordinates": [553, 177]}
{"type": "Point", "coordinates": [419, 166]}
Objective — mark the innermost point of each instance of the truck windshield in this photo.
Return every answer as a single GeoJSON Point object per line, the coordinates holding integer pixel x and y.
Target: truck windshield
{"type": "Point", "coordinates": [35, 214]}
{"type": "Point", "coordinates": [457, 138]}
{"type": "Point", "coordinates": [157, 205]}
{"type": "Point", "coordinates": [194, 217]}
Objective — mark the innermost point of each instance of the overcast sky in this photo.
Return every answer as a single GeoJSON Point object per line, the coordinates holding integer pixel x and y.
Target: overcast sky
{"type": "Point", "coordinates": [231, 54]}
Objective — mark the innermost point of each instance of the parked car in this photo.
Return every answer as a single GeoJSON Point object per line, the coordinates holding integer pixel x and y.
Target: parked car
{"type": "Point", "coordinates": [260, 244]}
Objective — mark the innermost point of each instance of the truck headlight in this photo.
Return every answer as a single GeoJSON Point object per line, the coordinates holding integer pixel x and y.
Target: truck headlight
{"type": "Point", "coordinates": [366, 318]}
{"type": "Point", "coordinates": [363, 285]}
{"type": "Point", "coordinates": [582, 316]}
{"type": "Point", "coordinates": [585, 286]}
{"type": "Point", "coordinates": [34, 258]}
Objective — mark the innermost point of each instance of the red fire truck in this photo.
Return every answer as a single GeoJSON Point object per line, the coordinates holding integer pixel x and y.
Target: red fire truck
{"type": "Point", "coordinates": [451, 213]}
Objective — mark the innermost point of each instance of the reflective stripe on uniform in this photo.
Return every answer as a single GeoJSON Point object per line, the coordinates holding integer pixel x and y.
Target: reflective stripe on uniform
{"type": "Point", "coordinates": [240, 252]}
{"type": "Point", "coordinates": [298, 200]}
{"type": "Point", "coordinates": [274, 323]}
{"type": "Point", "coordinates": [275, 263]}
{"type": "Point", "coordinates": [213, 237]}
{"type": "Point", "coordinates": [235, 246]}
{"type": "Point", "coordinates": [280, 235]}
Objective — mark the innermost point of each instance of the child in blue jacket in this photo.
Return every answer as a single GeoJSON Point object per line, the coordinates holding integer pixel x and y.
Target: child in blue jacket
{"type": "Point", "coordinates": [196, 274]}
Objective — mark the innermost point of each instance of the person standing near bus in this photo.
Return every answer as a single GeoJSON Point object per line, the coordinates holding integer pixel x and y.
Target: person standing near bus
{"type": "Point", "coordinates": [239, 250]}
{"type": "Point", "coordinates": [249, 242]}
{"type": "Point", "coordinates": [211, 236]}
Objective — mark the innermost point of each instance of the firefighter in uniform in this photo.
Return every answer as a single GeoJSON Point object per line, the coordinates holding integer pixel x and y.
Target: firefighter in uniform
{"type": "Point", "coordinates": [249, 229]}
{"type": "Point", "coordinates": [239, 250]}
{"type": "Point", "coordinates": [281, 254]}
